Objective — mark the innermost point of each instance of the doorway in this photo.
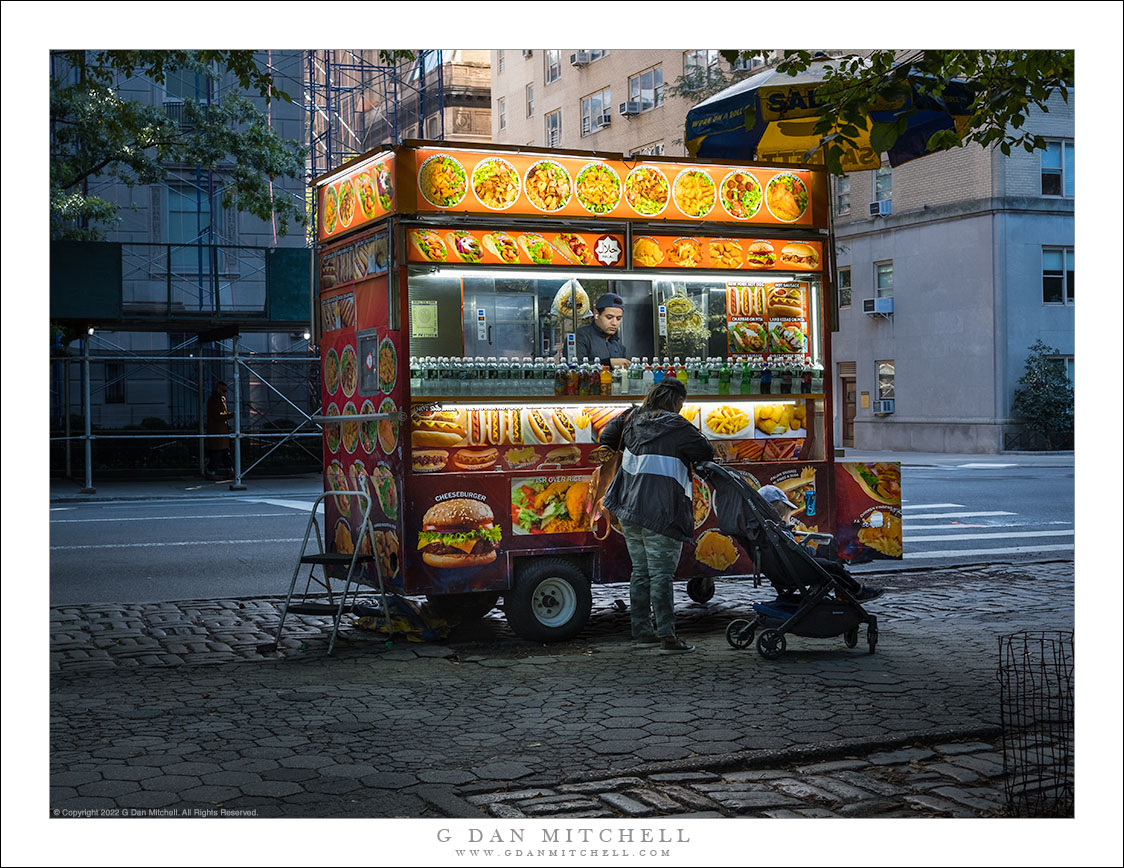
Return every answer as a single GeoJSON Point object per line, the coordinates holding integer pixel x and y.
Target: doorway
{"type": "Point", "coordinates": [848, 391]}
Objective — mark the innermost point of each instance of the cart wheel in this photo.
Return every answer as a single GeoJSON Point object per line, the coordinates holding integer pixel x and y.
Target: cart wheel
{"type": "Point", "coordinates": [550, 602]}
{"type": "Point", "coordinates": [771, 644]}
{"type": "Point", "coordinates": [460, 608]}
{"type": "Point", "coordinates": [700, 589]}
{"type": "Point", "coordinates": [871, 639]}
{"type": "Point", "coordinates": [851, 637]}
{"type": "Point", "coordinates": [740, 633]}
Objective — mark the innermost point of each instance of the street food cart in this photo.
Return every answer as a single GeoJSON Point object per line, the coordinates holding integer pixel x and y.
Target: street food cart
{"type": "Point", "coordinates": [450, 284]}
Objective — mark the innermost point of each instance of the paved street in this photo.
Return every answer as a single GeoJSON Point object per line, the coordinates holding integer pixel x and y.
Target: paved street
{"type": "Point", "coordinates": [171, 706]}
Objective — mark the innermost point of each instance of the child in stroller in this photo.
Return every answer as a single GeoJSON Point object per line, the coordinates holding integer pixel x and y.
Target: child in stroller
{"type": "Point", "coordinates": [815, 597]}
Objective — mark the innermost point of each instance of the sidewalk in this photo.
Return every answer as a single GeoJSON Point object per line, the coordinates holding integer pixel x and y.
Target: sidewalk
{"type": "Point", "coordinates": [931, 459]}
{"type": "Point", "coordinates": [171, 707]}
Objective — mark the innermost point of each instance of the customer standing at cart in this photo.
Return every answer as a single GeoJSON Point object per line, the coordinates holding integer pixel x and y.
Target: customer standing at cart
{"type": "Point", "coordinates": [652, 497]}
{"type": "Point", "coordinates": [218, 448]}
{"type": "Point", "coordinates": [600, 341]}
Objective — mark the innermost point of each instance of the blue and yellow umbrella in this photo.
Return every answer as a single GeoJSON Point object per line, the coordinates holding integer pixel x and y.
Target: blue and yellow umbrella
{"type": "Point", "coordinates": [771, 117]}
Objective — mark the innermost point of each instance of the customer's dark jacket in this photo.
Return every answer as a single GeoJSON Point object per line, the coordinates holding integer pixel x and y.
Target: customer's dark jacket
{"type": "Point", "coordinates": [653, 487]}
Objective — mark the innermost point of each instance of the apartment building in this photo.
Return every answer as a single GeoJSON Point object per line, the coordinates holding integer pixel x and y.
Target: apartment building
{"type": "Point", "coordinates": [949, 268]}
{"type": "Point", "coordinates": [594, 99]}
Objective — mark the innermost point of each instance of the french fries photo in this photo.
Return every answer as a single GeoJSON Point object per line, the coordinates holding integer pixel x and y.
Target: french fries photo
{"type": "Point", "coordinates": [726, 421]}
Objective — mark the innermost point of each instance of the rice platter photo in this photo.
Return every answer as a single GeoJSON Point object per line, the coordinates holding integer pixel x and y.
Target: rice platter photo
{"type": "Point", "coordinates": [548, 186]}
{"type": "Point", "coordinates": [786, 197]}
{"type": "Point", "coordinates": [350, 429]}
{"type": "Point", "coordinates": [369, 430]}
{"type": "Point", "coordinates": [598, 188]}
{"type": "Point", "coordinates": [740, 194]}
{"type": "Point", "coordinates": [331, 210]}
{"type": "Point", "coordinates": [495, 183]}
{"type": "Point", "coordinates": [332, 429]}
{"type": "Point", "coordinates": [442, 181]}
{"type": "Point", "coordinates": [694, 192]}
{"type": "Point", "coordinates": [647, 190]}
{"type": "Point", "coordinates": [349, 370]}
{"type": "Point", "coordinates": [347, 202]}
{"type": "Point", "coordinates": [388, 365]}
{"type": "Point", "coordinates": [332, 372]}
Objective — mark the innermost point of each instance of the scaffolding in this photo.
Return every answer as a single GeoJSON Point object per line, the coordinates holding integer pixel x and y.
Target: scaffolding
{"type": "Point", "coordinates": [356, 103]}
{"type": "Point", "coordinates": [275, 399]}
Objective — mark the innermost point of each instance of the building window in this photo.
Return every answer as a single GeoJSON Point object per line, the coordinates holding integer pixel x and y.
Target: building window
{"type": "Point", "coordinates": [885, 380]}
{"type": "Point", "coordinates": [883, 184]}
{"type": "Point", "coordinates": [647, 88]}
{"type": "Point", "coordinates": [499, 61]}
{"type": "Point", "coordinates": [595, 110]}
{"type": "Point", "coordinates": [843, 282]}
{"type": "Point", "coordinates": [530, 100]}
{"type": "Point", "coordinates": [597, 54]}
{"type": "Point", "coordinates": [1064, 365]}
{"type": "Point", "coordinates": [843, 195]}
{"type": "Point", "coordinates": [552, 57]}
{"type": "Point", "coordinates": [700, 66]}
{"type": "Point", "coordinates": [654, 149]}
{"type": "Point", "coordinates": [114, 383]}
{"type": "Point", "coordinates": [554, 129]}
{"type": "Point", "coordinates": [1057, 169]}
{"type": "Point", "coordinates": [501, 109]}
{"type": "Point", "coordinates": [433, 127]}
{"type": "Point", "coordinates": [1057, 275]}
{"type": "Point", "coordinates": [189, 217]}
{"type": "Point", "coordinates": [884, 279]}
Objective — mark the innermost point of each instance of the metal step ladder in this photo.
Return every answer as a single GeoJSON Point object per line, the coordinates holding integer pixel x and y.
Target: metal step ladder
{"type": "Point", "coordinates": [318, 597]}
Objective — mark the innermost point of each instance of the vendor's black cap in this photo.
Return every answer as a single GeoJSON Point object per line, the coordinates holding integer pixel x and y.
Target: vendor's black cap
{"type": "Point", "coordinates": [609, 299]}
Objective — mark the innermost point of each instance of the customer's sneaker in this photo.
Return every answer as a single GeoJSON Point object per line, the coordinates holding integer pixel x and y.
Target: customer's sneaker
{"type": "Point", "coordinates": [673, 645]}
{"type": "Point", "coordinates": [649, 641]}
{"type": "Point", "coordinates": [867, 593]}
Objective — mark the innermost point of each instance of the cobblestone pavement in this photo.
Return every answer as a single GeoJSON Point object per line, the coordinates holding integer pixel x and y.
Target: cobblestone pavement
{"type": "Point", "coordinates": [141, 722]}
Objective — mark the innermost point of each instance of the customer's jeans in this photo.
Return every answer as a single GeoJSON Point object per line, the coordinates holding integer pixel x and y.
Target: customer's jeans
{"type": "Point", "coordinates": [654, 559]}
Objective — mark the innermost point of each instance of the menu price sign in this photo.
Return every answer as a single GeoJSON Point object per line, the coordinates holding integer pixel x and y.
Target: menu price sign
{"type": "Point", "coordinates": [556, 185]}
{"type": "Point", "coordinates": [667, 251]}
{"type": "Point", "coordinates": [496, 247]}
{"type": "Point", "coordinates": [768, 319]}
{"type": "Point", "coordinates": [365, 194]}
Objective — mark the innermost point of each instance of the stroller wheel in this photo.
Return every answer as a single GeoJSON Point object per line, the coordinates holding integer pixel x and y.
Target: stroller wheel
{"type": "Point", "coordinates": [851, 637]}
{"type": "Point", "coordinates": [740, 633]}
{"type": "Point", "coordinates": [700, 589]}
{"type": "Point", "coordinates": [871, 639]}
{"type": "Point", "coordinates": [771, 644]}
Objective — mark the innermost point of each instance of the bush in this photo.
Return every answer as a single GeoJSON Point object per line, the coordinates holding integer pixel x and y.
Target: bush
{"type": "Point", "coordinates": [1043, 400]}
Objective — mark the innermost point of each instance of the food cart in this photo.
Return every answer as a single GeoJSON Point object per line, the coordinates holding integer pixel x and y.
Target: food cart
{"type": "Point", "coordinates": [450, 284]}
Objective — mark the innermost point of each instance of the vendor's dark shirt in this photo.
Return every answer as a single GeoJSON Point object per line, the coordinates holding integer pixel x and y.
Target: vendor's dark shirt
{"type": "Point", "coordinates": [592, 343]}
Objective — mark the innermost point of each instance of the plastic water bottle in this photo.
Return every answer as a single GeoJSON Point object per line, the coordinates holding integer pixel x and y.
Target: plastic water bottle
{"type": "Point", "coordinates": [647, 378]}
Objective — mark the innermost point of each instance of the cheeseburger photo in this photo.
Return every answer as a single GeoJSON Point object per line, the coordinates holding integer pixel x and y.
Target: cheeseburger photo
{"type": "Point", "coordinates": [761, 255]}
{"type": "Point", "coordinates": [458, 533]}
{"type": "Point", "coordinates": [799, 254]}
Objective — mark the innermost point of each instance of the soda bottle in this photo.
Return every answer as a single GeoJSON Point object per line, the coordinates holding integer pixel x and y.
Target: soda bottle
{"type": "Point", "coordinates": [593, 378]}
{"type": "Point", "coordinates": [658, 373]}
{"type": "Point", "coordinates": [635, 380]}
{"type": "Point", "coordinates": [702, 373]}
{"type": "Point", "coordinates": [747, 379]}
{"type": "Point", "coordinates": [607, 380]}
{"type": "Point", "coordinates": [766, 380]}
{"type": "Point", "coordinates": [724, 379]}
{"type": "Point", "coordinates": [572, 379]}
{"type": "Point", "coordinates": [735, 377]}
{"type": "Point", "coordinates": [681, 371]}
{"type": "Point", "coordinates": [647, 378]}
{"type": "Point", "coordinates": [561, 380]}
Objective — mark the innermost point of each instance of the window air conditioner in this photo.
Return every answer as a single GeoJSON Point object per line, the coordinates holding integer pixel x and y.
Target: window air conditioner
{"type": "Point", "coordinates": [884, 407]}
{"type": "Point", "coordinates": [630, 108]}
{"type": "Point", "coordinates": [527, 52]}
{"type": "Point", "coordinates": [606, 119]}
{"type": "Point", "coordinates": [881, 209]}
{"type": "Point", "coordinates": [881, 306]}
{"type": "Point", "coordinates": [580, 59]}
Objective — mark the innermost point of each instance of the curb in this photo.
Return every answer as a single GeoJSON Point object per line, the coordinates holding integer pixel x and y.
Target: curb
{"type": "Point", "coordinates": [242, 492]}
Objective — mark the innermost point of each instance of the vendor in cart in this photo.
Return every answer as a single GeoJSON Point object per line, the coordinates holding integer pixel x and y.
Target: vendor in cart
{"type": "Point", "coordinates": [600, 340]}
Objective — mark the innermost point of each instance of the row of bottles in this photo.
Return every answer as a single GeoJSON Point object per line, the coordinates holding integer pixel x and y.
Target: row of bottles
{"type": "Point", "coordinates": [451, 376]}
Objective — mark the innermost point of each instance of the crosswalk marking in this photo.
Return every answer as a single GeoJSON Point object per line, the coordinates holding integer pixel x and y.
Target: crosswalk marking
{"type": "Point", "coordinates": [1011, 535]}
{"type": "Point", "coordinates": [957, 553]}
{"type": "Point", "coordinates": [955, 515]}
{"type": "Point", "coordinates": [157, 545]}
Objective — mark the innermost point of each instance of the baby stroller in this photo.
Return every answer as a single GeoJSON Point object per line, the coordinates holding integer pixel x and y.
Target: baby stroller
{"type": "Point", "coordinates": [811, 601]}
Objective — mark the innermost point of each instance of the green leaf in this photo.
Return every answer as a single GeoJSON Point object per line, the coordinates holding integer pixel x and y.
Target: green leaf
{"type": "Point", "coordinates": [883, 136]}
